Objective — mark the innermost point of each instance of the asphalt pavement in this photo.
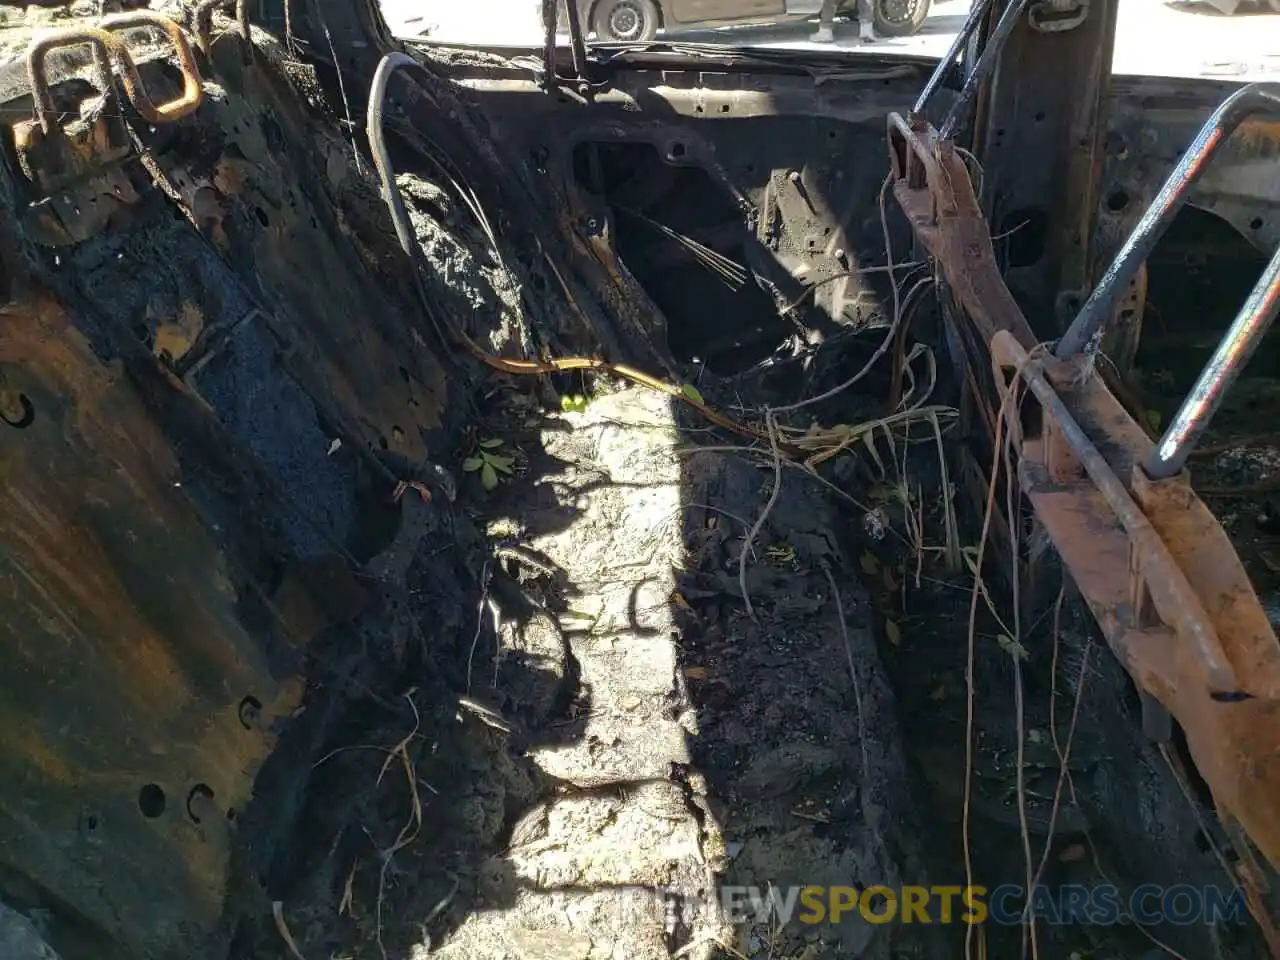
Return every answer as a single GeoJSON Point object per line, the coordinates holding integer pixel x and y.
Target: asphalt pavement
{"type": "Point", "coordinates": [1182, 38]}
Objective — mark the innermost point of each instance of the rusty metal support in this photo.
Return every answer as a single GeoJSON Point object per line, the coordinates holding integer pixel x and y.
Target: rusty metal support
{"type": "Point", "coordinates": [1087, 329]}
{"type": "Point", "coordinates": [1040, 120]}
{"type": "Point", "coordinates": [108, 50]}
{"type": "Point", "coordinates": [1155, 567]}
{"type": "Point", "coordinates": [977, 13]}
{"type": "Point", "coordinates": [985, 65]}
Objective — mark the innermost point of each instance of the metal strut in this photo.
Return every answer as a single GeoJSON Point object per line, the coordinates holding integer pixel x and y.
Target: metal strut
{"type": "Point", "coordinates": [1169, 456]}
{"type": "Point", "coordinates": [1154, 565]}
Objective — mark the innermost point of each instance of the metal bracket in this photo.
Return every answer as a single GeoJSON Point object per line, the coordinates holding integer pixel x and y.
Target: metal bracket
{"type": "Point", "coordinates": [1154, 565]}
{"type": "Point", "coordinates": [76, 168]}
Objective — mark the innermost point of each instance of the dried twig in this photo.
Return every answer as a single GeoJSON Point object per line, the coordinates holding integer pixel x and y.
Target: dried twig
{"type": "Point", "coordinates": [277, 914]}
{"type": "Point", "coordinates": [410, 830]}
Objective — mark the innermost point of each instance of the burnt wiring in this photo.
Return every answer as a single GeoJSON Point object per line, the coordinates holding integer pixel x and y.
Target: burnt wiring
{"type": "Point", "coordinates": [449, 331]}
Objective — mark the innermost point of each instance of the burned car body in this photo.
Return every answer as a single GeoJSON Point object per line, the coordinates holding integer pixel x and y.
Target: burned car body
{"type": "Point", "coordinates": [237, 593]}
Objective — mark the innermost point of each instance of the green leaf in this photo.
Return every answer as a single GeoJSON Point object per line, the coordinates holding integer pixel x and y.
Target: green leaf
{"type": "Point", "coordinates": [472, 464]}
{"type": "Point", "coordinates": [492, 444]}
{"type": "Point", "coordinates": [499, 463]}
{"type": "Point", "coordinates": [488, 476]}
{"type": "Point", "coordinates": [1012, 647]}
{"type": "Point", "coordinates": [893, 632]}
{"type": "Point", "coordinates": [690, 391]}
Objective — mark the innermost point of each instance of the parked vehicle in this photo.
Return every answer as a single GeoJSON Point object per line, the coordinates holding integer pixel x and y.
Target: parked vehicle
{"type": "Point", "coordinates": [633, 20]}
{"type": "Point", "coordinates": [1229, 7]}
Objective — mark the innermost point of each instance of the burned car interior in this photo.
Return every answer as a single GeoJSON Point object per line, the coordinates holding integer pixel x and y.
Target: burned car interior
{"type": "Point", "coordinates": [481, 503]}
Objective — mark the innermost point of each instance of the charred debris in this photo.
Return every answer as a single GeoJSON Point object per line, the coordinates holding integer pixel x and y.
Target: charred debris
{"type": "Point", "coordinates": [480, 503]}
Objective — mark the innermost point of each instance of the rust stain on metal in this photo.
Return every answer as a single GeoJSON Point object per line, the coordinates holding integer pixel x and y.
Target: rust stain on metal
{"type": "Point", "coordinates": [125, 660]}
{"type": "Point", "coordinates": [932, 186]}
{"type": "Point", "coordinates": [1165, 586]}
{"type": "Point", "coordinates": [1155, 567]}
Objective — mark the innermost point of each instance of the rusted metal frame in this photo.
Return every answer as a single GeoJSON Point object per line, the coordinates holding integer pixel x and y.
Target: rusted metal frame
{"type": "Point", "coordinates": [1040, 121]}
{"type": "Point", "coordinates": [986, 63]}
{"type": "Point", "coordinates": [1163, 582]}
{"type": "Point", "coordinates": [976, 14]}
{"type": "Point", "coordinates": [1088, 327]}
{"type": "Point", "coordinates": [1158, 572]}
{"type": "Point", "coordinates": [202, 20]}
{"type": "Point", "coordinates": [932, 185]}
{"type": "Point", "coordinates": [109, 49]}
{"type": "Point", "coordinates": [1068, 450]}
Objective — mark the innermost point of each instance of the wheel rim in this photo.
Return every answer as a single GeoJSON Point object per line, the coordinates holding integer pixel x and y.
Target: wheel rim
{"type": "Point", "coordinates": [626, 21]}
{"type": "Point", "coordinates": [898, 11]}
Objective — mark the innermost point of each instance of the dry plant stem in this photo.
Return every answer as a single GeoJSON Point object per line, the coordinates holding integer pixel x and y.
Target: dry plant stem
{"type": "Point", "coordinates": [853, 675]}
{"type": "Point", "coordinates": [1097, 865]}
{"type": "Point", "coordinates": [410, 830]}
{"type": "Point", "coordinates": [749, 544]}
{"type": "Point", "coordinates": [968, 710]}
{"type": "Point", "coordinates": [1012, 512]}
{"type": "Point", "coordinates": [772, 412]}
{"type": "Point", "coordinates": [1063, 753]}
{"type": "Point", "coordinates": [475, 640]}
{"type": "Point", "coordinates": [277, 914]}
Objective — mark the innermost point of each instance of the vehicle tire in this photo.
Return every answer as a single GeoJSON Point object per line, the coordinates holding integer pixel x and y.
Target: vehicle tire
{"type": "Point", "coordinates": [628, 20]}
{"type": "Point", "coordinates": [899, 18]}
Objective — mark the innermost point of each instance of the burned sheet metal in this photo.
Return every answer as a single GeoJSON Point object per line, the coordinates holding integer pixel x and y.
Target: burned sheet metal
{"type": "Point", "coordinates": [172, 545]}
{"type": "Point", "coordinates": [127, 667]}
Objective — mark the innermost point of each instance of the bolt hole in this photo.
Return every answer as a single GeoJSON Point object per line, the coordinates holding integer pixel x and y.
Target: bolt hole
{"type": "Point", "coordinates": [1039, 117]}
{"type": "Point", "coordinates": [678, 149]}
{"type": "Point", "coordinates": [1117, 200]}
{"type": "Point", "coordinates": [698, 109]}
{"type": "Point", "coordinates": [831, 134]}
{"type": "Point", "coordinates": [24, 415]}
{"type": "Point", "coordinates": [262, 216]}
{"type": "Point", "coordinates": [1255, 223]}
{"type": "Point", "coordinates": [724, 108]}
{"type": "Point", "coordinates": [249, 712]}
{"type": "Point", "coordinates": [151, 801]}
{"type": "Point", "coordinates": [200, 790]}
{"type": "Point", "coordinates": [91, 822]}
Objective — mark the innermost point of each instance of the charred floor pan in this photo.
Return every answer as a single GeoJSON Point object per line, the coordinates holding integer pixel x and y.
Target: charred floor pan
{"type": "Point", "coordinates": [329, 639]}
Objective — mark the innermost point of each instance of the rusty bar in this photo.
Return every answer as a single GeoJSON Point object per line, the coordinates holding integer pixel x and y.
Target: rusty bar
{"type": "Point", "coordinates": [976, 13]}
{"type": "Point", "coordinates": [104, 45]}
{"type": "Point", "coordinates": [1236, 347]}
{"type": "Point", "coordinates": [550, 20]}
{"type": "Point", "coordinates": [576, 40]}
{"type": "Point", "coordinates": [1087, 328]}
{"type": "Point", "coordinates": [192, 88]}
{"type": "Point", "coordinates": [1175, 600]}
{"type": "Point", "coordinates": [986, 63]}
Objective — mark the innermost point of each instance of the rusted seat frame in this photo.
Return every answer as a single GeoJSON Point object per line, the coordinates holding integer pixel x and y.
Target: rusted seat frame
{"type": "Point", "coordinates": [1154, 565]}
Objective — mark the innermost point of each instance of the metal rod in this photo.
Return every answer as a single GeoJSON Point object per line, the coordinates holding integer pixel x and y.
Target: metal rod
{"type": "Point", "coordinates": [550, 22]}
{"type": "Point", "coordinates": [1237, 346]}
{"type": "Point", "coordinates": [976, 13]}
{"type": "Point", "coordinates": [573, 11]}
{"type": "Point", "coordinates": [1087, 328]}
{"type": "Point", "coordinates": [986, 62]}
{"type": "Point", "coordinates": [1163, 576]}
